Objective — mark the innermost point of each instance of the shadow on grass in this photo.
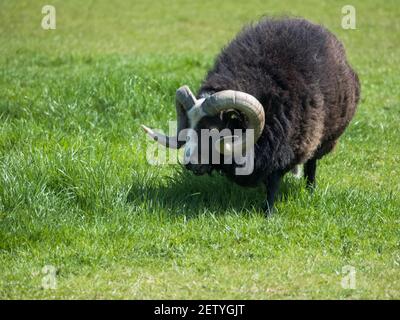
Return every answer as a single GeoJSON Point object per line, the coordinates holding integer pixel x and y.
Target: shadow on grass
{"type": "Point", "coordinates": [185, 193]}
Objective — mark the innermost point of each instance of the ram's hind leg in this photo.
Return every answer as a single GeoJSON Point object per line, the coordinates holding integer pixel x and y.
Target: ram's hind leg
{"type": "Point", "coordinates": [310, 169]}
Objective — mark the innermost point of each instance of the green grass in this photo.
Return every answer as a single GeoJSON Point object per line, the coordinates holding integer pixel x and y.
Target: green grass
{"type": "Point", "coordinates": [77, 193]}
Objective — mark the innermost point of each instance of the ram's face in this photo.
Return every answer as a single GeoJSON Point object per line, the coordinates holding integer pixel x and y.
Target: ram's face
{"type": "Point", "coordinates": [205, 127]}
{"type": "Point", "coordinates": [201, 154]}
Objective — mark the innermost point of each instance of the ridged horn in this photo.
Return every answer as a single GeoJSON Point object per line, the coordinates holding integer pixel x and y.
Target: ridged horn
{"type": "Point", "coordinates": [184, 100]}
{"type": "Point", "coordinates": [247, 105]}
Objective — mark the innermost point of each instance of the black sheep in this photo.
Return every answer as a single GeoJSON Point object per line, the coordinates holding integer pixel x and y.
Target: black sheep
{"type": "Point", "coordinates": [297, 73]}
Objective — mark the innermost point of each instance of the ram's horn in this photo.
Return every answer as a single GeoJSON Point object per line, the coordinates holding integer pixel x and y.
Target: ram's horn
{"type": "Point", "coordinates": [184, 100]}
{"type": "Point", "coordinates": [247, 105]}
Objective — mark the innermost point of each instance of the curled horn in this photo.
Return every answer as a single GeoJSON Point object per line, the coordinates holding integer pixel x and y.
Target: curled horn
{"type": "Point", "coordinates": [184, 100]}
{"type": "Point", "coordinates": [247, 105]}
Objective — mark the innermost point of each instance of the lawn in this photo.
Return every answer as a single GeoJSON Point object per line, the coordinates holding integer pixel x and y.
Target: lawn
{"type": "Point", "coordinates": [77, 194]}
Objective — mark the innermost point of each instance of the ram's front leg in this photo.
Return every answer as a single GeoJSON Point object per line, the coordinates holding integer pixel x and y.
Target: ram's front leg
{"type": "Point", "coordinates": [272, 183]}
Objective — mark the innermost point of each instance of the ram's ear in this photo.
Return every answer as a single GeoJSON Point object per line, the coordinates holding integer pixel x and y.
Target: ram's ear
{"type": "Point", "coordinates": [233, 119]}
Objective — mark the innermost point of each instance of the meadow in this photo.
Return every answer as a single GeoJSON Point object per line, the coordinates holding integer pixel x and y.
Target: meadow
{"type": "Point", "coordinates": [77, 194]}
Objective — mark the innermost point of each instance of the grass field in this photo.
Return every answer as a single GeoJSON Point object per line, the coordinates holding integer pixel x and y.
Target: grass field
{"type": "Point", "coordinates": [77, 193]}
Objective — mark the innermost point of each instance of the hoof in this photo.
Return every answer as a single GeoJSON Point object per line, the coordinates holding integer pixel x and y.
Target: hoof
{"type": "Point", "coordinates": [268, 209]}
